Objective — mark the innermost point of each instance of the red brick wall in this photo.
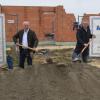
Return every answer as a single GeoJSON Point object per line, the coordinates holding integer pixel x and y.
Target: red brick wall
{"type": "Point", "coordinates": [42, 20]}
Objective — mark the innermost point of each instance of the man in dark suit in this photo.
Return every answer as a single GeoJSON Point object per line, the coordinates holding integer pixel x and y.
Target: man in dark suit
{"type": "Point", "coordinates": [27, 38]}
{"type": "Point", "coordinates": [83, 36]}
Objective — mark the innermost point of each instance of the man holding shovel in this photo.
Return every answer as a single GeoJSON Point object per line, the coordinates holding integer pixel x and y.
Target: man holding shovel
{"type": "Point", "coordinates": [83, 37]}
{"type": "Point", "coordinates": [25, 39]}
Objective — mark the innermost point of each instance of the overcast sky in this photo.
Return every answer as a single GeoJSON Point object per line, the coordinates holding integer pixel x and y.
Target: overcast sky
{"type": "Point", "coordinates": [78, 7]}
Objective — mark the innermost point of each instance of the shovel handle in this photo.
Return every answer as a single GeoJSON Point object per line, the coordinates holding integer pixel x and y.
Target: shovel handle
{"type": "Point", "coordinates": [86, 46]}
{"type": "Point", "coordinates": [33, 49]}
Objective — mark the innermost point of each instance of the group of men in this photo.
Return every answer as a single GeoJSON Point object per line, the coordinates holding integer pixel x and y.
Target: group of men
{"type": "Point", "coordinates": [28, 38]}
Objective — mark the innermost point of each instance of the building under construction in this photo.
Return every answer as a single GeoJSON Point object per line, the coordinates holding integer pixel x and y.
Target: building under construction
{"type": "Point", "coordinates": [43, 20]}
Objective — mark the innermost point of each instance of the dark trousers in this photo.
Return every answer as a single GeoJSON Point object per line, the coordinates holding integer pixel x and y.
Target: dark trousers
{"type": "Point", "coordinates": [85, 54]}
{"type": "Point", "coordinates": [24, 53]}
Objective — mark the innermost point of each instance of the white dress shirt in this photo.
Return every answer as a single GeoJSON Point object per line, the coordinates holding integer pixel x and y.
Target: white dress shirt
{"type": "Point", "coordinates": [24, 39]}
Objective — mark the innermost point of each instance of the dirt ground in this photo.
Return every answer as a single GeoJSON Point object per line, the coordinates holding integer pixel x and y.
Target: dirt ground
{"type": "Point", "coordinates": [61, 80]}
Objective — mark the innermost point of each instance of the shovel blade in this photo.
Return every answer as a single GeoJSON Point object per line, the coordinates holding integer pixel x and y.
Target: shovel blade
{"type": "Point", "coordinates": [78, 58]}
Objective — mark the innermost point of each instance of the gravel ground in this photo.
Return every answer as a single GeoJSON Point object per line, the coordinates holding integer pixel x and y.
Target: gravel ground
{"type": "Point", "coordinates": [61, 80]}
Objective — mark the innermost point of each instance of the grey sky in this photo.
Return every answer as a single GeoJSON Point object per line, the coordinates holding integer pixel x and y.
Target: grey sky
{"type": "Point", "coordinates": [78, 7]}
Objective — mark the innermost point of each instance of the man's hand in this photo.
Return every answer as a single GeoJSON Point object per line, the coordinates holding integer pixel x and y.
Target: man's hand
{"type": "Point", "coordinates": [86, 45]}
{"type": "Point", "coordinates": [16, 44]}
{"type": "Point", "coordinates": [34, 50]}
{"type": "Point", "coordinates": [93, 36]}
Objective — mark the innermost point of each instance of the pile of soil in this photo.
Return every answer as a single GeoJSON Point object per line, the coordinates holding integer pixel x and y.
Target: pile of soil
{"type": "Point", "coordinates": [61, 80]}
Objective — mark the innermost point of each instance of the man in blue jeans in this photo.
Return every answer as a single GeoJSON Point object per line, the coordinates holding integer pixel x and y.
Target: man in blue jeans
{"type": "Point", "coordinates": [27, 38]}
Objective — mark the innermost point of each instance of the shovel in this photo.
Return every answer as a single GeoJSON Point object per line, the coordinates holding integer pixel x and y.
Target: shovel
{"type": "Point", "coordinates": [79, 56]}
{"type": "Point", "coordinates": [43, 51]}
{"type": "Point", "coordinates": [33, 49]}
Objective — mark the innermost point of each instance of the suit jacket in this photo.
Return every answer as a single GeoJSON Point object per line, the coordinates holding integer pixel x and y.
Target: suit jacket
{"type": "Point", "coordinates": [31, 37]}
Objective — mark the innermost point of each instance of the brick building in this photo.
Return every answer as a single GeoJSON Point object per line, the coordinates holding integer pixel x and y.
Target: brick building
{"type": "Point", "coordinates": [43, 20]}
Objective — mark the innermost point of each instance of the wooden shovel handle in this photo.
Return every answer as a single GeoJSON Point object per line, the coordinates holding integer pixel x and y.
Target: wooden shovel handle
{"type": "Point", "coordinates": [33, 49]}
{"type": "Point", "coordinates": [86, 46]}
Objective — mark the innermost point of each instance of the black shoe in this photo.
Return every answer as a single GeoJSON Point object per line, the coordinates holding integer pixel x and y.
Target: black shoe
{"type": "Point", "coordinates": [87, 60]}
{"type": "Point", "coordinates": [21, 67]}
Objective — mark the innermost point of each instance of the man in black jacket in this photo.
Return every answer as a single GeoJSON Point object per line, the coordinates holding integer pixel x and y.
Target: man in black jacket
{"type": "Point", "coordinates": [83, 36]}
{"type": "Point", "coordinates": [27, 38]}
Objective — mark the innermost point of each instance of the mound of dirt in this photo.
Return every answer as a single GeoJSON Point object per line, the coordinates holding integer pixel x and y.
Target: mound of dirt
{"type": "Point", "coordinates": [62, 80]}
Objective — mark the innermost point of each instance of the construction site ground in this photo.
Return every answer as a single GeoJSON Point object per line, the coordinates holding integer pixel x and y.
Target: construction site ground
{"type": "Point", "coordinates": [56, 78]}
